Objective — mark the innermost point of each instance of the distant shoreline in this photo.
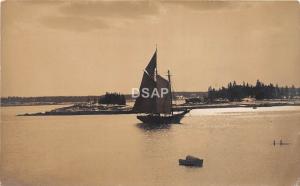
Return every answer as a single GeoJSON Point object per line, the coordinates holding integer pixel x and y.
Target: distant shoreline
{"type": "Point", "coordinates": [33, 104]}
{"type": "Point", "coordinates": [67, 100]}
{"type": "Point", "coordinates": [97, 109]}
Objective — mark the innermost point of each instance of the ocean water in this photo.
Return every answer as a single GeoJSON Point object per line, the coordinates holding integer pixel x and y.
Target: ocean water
{"type": "Point", "coordinates": [235, 143]}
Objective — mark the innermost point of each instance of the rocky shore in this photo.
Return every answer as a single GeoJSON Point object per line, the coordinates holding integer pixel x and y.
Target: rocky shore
{"type": "Point", "coordinates": [85, 109]}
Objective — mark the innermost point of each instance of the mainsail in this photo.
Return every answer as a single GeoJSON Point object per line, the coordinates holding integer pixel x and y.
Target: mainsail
{"type": "Point", "coordinates": [160, 102]}
{"type": "Point", "coordinates": [163, 103]}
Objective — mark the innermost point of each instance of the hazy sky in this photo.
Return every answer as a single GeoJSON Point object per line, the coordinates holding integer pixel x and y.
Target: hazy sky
{"type": "Point", "coordinates": [88, 48]}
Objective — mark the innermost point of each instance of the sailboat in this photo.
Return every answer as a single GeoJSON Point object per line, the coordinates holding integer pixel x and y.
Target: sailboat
{"type": "Point", "coordinates": [155, 105]}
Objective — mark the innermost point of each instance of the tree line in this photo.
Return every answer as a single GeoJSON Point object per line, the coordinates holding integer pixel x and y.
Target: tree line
{"type": "Point", "coordinates": [112, 98]}
{"type": "Point", "coordinates": [236, 92]}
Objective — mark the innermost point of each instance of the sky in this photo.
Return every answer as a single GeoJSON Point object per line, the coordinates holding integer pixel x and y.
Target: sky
{"type": "Point", "coordinates": [54, 48]}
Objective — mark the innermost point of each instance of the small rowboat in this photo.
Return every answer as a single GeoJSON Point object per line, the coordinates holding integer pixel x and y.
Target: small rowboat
{"type": "Point", "coordinates": [191, 161]}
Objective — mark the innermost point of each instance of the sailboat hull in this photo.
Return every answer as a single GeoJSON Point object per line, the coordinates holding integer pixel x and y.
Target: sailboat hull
{"type": "Point", "coordinates": [158, 119]}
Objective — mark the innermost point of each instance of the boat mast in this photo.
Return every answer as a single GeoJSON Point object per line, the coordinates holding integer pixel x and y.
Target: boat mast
{"type": "Point", "coordinates": [169, 78]}
{"type": "Point", "coordinates": [156, 67]}
{"type": "Point", "coordinates": [156, 59]}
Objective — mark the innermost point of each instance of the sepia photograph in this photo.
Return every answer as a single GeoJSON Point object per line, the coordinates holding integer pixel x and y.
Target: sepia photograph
{"type": "Point", "coordinates": [150, 93]}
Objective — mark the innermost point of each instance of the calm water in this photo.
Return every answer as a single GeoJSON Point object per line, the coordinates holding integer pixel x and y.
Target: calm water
{"type": "Point", "coordinates": [236, 145]}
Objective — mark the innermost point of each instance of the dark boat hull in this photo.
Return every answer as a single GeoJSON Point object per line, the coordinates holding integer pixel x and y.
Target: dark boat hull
{"type": "Point", "coordinates": [159, 119]}
{"type": "Point", "coordinates": [192, 163]}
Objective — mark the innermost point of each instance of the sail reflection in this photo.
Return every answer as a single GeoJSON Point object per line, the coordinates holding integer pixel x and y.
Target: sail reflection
{"type": "Point", "coordinates": [148, 126]}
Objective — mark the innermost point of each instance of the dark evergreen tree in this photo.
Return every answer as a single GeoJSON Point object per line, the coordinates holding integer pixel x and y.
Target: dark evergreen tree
{"type": "Point", "coordinates": [235, 92]}
{"type": "Point", "coordinates": [112, 98]}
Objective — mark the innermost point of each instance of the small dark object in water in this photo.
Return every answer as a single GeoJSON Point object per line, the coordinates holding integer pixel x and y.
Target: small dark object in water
{"type": "Point", "coordinates": [191, 161]}
{"type": "Point", "coordinates": [280, 143]}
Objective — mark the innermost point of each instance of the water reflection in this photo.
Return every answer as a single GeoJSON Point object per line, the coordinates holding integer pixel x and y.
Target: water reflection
{"type": "Point", "coordinates": [147, 126]}
{"type": "Point", "coordinates": [118, 150]}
